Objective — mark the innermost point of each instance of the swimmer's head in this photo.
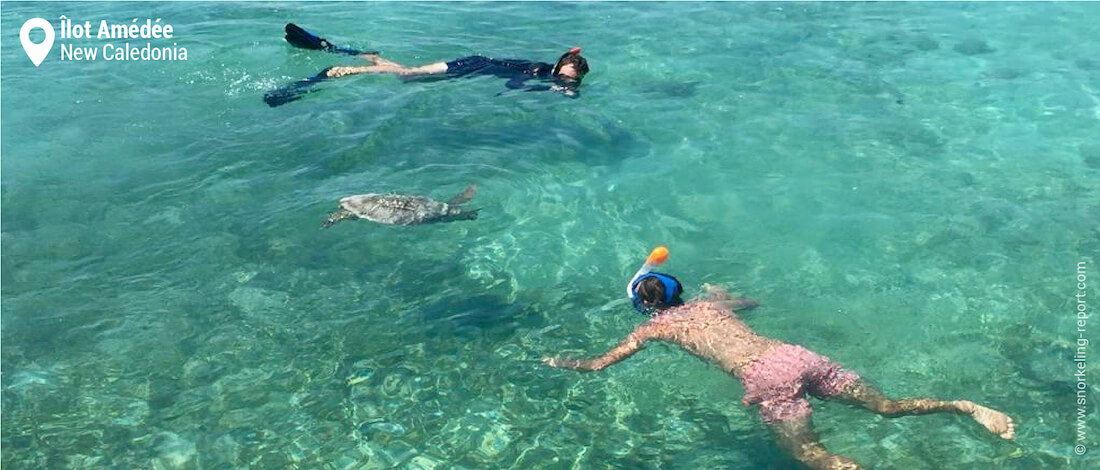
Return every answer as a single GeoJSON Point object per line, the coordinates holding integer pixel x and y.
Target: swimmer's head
{"type": "Point", "coordinates": [571, 68]}
{"type": "Point", "coordinates": [656, 291]}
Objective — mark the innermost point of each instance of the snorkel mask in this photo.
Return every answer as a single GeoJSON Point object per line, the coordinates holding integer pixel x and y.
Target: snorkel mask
{"type": "Point", "coordinates": [580, 65]}
{"type": "Point", "coordinates": [574, 52]}
{"type": "Point", "coordinates": [672, 286]}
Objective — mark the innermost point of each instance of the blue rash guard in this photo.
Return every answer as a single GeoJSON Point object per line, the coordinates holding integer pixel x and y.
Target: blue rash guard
{"type": "Point", "coordinates": [515, 70]}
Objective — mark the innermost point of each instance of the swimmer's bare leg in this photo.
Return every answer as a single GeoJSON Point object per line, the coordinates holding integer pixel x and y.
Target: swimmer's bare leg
{"type": "Point", "coordinates": [375, 59]}
{"type": "Point", "coordinates": [866, 395]}
{"type": "Point", "coordinates": [797, 436]}
{"type": "Point", "coordinates": [388, 67]}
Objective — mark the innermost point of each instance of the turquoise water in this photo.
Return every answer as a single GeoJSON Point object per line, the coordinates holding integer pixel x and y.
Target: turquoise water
{"type": "Point", "coordinates": [906, 188]}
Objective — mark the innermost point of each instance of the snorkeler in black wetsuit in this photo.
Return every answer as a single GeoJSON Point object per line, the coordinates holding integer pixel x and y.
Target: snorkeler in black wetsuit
{"type": "Point", "coordinates": [565, 76]}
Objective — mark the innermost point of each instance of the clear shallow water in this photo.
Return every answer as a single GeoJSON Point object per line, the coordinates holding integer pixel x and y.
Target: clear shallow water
{"type": "Point", "coordinates": [170, 302]}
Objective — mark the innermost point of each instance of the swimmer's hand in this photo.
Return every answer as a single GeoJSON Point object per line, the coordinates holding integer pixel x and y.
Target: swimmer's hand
{"type": "Point", "coordinates": [564, 363]}
{"type": "Point", "coordinates": [570, 92]}
{"type": "Point", "coordinates": [719, 295]}
{"type": "Point", "coordinates": [715, 293]}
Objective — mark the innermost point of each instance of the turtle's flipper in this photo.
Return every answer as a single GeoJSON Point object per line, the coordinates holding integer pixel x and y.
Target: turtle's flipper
{"type": "Point", "coordinates": [336, 217]}
{"type": "Point", "coordinates": [464, 196]}
{"type": "Point", "coordinates": [464, 215]}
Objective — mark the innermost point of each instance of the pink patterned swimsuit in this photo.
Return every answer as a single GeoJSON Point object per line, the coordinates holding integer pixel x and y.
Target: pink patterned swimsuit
{"type": "Point", "coordinates": [779, 380]}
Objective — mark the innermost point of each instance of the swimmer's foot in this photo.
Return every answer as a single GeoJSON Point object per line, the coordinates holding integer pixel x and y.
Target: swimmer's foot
{"type": "Point", "coordinates": [996, 422]}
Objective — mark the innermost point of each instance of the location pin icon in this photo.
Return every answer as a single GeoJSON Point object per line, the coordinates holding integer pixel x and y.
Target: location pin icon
{"type": "Point", "coordinates": [37, 52]}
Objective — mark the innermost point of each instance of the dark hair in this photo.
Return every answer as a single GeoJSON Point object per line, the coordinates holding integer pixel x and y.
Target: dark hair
{"type": "Point", "coordinates": [578, 62]}
{"type": "Point", "coordinates": [652, 292]}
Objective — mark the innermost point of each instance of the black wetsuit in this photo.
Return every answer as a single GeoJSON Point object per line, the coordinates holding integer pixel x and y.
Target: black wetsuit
{"type": "Point", "coordinates": [515, 70]}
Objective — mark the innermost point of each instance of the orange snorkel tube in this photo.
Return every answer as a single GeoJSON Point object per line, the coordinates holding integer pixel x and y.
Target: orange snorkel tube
{"type": "Point", "coordinates": [656, 258]}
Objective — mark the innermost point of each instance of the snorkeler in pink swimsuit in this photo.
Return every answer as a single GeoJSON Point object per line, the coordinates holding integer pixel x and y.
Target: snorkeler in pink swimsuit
{"type": "Point", "coordinates": [776, 376]}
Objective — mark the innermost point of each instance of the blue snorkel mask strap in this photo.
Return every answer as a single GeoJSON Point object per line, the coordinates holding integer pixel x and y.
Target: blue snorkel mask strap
{"type": "Point", "coordinates": [672, 289]}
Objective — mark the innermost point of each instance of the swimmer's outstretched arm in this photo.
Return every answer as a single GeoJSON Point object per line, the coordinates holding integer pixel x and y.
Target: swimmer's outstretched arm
{"type": "Point", "coordinates": [388, 67]}
{"type": "Point", "coordinates": [633, 343]}
{"type": "Point", "coordinates": [713, 293]}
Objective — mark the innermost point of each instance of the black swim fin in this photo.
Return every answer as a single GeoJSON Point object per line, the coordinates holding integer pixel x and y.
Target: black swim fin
{"type": "Point", "coordinates": [299, 37]}
{"type": "Point", "coordinates": [294, 91]}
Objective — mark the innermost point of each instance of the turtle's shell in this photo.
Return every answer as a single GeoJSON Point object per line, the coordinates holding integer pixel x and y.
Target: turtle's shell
{"type": "Point", "coordinates": [394, 209]}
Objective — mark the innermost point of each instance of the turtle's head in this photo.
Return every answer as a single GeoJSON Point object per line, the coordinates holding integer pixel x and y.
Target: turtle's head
{"type": "Point", "coordinates": [656, 292]}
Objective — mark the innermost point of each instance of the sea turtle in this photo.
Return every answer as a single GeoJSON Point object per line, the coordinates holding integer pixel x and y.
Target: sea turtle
{"type": "Point", "coordinates": [398, 209]}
